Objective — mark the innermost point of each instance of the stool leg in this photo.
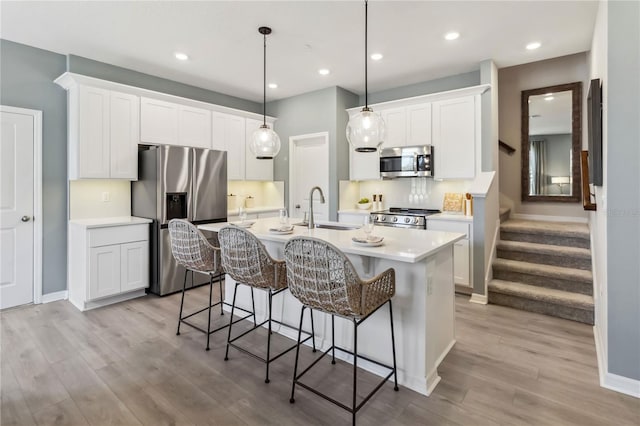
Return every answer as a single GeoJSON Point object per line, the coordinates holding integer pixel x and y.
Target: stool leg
{"type": "Point", "coordinates": [266, 380]}
{"type": "Point", "coordinates": [313, 331]}
{"type": "Point", "coordinates": [393, 347]}
{"type": "Point", "coordinates": [233, 305]}
{"type": "Point", "coordinates": [295, 366]}
{"type": "Point", "coordinates": [184, 286]}
{"type": "Point", "coordinates": [209, 318]}
{"type": "Point", "coordinates": [355, 370]}
{"type": "Point", "coordinates": [221, 296]}
{"type": "Point", "coordinates": [333, 339]}
{"type": "Point", "coordinates": [253, 306]}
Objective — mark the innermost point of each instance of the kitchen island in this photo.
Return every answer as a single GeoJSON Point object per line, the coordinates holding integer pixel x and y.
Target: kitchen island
{"type": "Point", "coordinates": [424, 309]}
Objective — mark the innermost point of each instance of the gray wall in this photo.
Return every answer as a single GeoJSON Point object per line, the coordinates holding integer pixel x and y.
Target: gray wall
{"type": "Point", "coordinates": [623, 175]}
{"type": "Point", "coordinates": [319, 111]}
{"type": "Point", "coordinates": [512, 81]}
{"type": "Point", "coordinates": [424, 88]}
{"type": "Point", "coordinates": [26, 81]}
{"type": "Point", "coordinates": [80, 65]}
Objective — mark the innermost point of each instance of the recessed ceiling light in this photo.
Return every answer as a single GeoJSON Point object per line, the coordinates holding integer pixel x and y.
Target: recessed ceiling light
{"type": "Point", "coordinates": [181, 56]}
{"type": "Point", "coordinates": [323, 71]}
{"type": "Point", "coordinates": [376, 56]}
{"type": "Point", "coordinates": [533, 46]}
{"type": "Point", "coordinates": [451, 36]}
{"type": "Point", "coordinates": [273, 86]}
{"type": "Point", "coordinates": [548, 98]}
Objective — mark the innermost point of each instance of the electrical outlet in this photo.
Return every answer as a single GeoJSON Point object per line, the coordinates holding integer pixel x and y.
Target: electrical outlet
{"type": "Point", "coordinates": [106, 197]}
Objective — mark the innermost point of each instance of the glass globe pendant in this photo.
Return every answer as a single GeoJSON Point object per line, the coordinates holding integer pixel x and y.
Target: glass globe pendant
{"type": "Point", "coordinates": [366, 129]}
{"type": "Point", "coordinates": [265, 143]}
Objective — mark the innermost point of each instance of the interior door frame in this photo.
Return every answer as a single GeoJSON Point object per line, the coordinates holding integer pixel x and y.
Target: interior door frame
{"type": "Point", "coordinates": [37, 196]}
{"type": "Point", "coordinates": [292, 150]}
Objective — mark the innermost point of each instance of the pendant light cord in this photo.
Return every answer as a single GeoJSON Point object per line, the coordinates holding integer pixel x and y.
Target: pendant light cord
{"type": "Point", "coordinates": [366, 91]}
{"type": "Point", "coordinates": [264, 81]}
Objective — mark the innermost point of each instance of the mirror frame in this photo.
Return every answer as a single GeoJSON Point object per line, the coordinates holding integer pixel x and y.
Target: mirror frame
{"type": "Point", "coordinates": [576, 143]}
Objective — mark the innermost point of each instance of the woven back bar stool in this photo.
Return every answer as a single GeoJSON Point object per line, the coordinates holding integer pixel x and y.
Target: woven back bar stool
{"type": "Point", "coordinates": [195, 253]}
{"type": "Point", "coordinates": [246, 260]}
{"type": "Point", "coordinates": [322, 278]}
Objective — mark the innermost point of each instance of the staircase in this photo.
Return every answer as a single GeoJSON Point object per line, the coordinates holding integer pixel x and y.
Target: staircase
{"type": "Point", "coordinates": [544, 267]}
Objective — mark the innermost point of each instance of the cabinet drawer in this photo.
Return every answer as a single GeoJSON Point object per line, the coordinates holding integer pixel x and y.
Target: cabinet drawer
{"type": "Point", "coordinates": [440, 225]}
{"type": "Point", "coordinates": [117, 235]}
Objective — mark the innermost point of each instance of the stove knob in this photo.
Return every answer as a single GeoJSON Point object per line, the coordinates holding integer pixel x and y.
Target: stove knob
{"type": "Point", "coordinates": [395, 219]}
{"type": "Point", "coordinates": [416, 220]}
{"type": "Point", "coordinates": [383, 218]}
{"type": "Point", "coordinates": [407, 219]}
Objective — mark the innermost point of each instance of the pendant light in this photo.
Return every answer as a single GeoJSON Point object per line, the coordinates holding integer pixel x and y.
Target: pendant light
{"type": "Point", "coordinates": [366, 129]}
{"type": "Point", "coordinates": [265, 143]}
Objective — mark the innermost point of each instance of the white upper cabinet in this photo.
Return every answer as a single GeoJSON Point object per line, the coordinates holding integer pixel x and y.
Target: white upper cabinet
{"type": "Point", "coordinates": [419, 125]}
{"type": "Point", "coordinates": [395, 120]}
{"type": "Point", "coordinates": [229, 135]}
{"type": "Point", "coordinates": [255, 169]}
{"type": "Point", "coordinates": [168, 123]}
{"type": "Point", "coordinates": [454, 138]}
{"type": "Point", "coordinates": [103, 134]}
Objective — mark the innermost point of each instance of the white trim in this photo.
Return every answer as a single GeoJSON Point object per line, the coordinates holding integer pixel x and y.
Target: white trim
{"type": "Point", "coordinates": [481, 299]}
{"type": "Point", "coordinates": [37, 196]}
{"type": "Point", "coordinates": [85, 306]}
{"type": "Point", "coordinates": [52, 297]}
{"type": "Point", "coordinates": [292, 143]}
{"type": "Point", "coordinates": [612, 381]}
{"type": "Point", "coordinates": [548, 218]}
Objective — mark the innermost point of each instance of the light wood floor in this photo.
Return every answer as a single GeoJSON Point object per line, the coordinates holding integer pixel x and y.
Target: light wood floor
{"type": "Point", "coordinates": [124, 365]}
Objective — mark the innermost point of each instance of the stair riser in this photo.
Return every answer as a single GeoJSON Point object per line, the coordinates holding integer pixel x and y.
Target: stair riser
{"type": "Point", "coordinates": [546, 259]}
{"type": "Point", "coordinates": [546, 308]}
{"type": "Point", "coordinates": [504, 216]}
{"type": "Point", "coordinates": [545, 239]}
{"type": "Point", "coordinates": [541, 281]}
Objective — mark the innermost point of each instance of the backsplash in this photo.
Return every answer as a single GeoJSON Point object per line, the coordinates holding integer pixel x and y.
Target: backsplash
{"type": "Point", "coordinates": [427, 193]}
{"type": "Point", "coordinates": [264, 194]}
{"type": "Point", "coordinates": [86, 198]}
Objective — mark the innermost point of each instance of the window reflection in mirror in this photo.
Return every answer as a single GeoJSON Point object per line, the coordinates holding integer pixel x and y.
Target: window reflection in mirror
{"type": "Point", "coordinates": [551, 142]}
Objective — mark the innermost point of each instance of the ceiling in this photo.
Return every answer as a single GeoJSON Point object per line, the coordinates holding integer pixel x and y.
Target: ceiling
{"type": "Point", "coordinates": [225, 48]}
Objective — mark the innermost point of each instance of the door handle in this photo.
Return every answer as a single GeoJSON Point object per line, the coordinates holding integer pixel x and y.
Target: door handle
{"type": "Point", "coordinates": [25, 218]}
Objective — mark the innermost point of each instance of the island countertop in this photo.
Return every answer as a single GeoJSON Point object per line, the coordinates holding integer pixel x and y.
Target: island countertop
{"type": "Point", "coordinates": [400, 244]}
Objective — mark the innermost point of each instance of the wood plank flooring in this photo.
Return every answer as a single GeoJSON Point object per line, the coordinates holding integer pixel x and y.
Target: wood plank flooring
{"type": "Point", "coordinates": [124, 365]}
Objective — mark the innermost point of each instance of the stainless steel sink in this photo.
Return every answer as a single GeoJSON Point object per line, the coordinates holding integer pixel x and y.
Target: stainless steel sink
{"type": "Point", "coordinates": [337, 227]}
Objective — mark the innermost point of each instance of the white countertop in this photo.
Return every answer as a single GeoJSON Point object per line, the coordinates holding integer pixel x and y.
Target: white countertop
{"type": "Point", "coordinates": [264, 209]}
{"type": "Point", "coordinates": [104, 222]}
{"type": "Point", "coordinates": [405, 245]}
{"type": "Point", "coordinates": [450, 216]}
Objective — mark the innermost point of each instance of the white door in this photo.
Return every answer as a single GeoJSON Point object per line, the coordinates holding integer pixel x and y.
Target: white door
{"type": "Point", "coordinates": [134, 266]}
{"type": "Point", "coordinates": [309, 167]}
{"type": "Point", "coordinates": [104, 271]}
{"type": "Point", "coordinates": [94, 143]}
{"type": "Point", "coordinates": [395, 121]}
{"type": "Point", "coordinates": [124, 135]}
{"type": "Point", "coordinates": [16, 209]}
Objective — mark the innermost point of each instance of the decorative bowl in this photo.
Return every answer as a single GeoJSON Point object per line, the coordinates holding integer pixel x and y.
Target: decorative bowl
{"type": "Point", "coordinates": [363, 206]}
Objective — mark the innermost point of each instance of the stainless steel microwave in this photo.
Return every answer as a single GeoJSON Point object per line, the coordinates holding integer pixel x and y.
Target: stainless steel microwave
{"type": "Point", "coordinates": [406, 161]}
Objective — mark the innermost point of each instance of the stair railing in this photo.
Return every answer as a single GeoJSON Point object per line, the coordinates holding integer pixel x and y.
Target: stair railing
{"type": "Point", "coordinates": [506, 147]}
{"type": "Point", "coordinates": [587, 204]}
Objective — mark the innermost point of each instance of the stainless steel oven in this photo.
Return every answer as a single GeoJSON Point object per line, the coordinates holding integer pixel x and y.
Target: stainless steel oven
{"type": "Point", "coordinates": [406, 161]}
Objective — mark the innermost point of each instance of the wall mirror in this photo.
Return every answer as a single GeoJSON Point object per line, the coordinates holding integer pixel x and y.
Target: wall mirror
{"type": "Point", "coordinates": [551, 143]}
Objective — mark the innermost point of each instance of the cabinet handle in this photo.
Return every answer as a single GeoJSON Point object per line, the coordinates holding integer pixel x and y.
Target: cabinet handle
{"type": "Point", "coordinates": [297, 206]}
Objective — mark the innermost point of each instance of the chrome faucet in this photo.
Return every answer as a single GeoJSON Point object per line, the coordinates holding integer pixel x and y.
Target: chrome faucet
{"type": "Point", "coordinates": [311, 222]}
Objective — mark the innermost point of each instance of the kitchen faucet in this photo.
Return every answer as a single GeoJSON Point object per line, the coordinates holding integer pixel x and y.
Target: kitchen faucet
{"type": "Point", "coordinates": [311, 223]}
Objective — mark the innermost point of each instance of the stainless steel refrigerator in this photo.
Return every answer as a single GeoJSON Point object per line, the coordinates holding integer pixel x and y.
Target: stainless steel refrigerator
{"type": "Point", "coordinates": [177, 182]}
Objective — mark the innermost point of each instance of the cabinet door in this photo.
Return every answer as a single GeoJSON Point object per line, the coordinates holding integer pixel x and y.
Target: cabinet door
{"type": "Point", "coordinates": [419, 125]}
{"type": "Point", "coordinates": [134, 265]}
{"type": "Point", "coordinates": [124, 135]}
{"type": "Point", "coordinates": [454, 142]}
{"type": "Point", "coordinates": [228, 135]}
{"type": "Point", "coordinates": [255, 169]}
{"type": "Point", "coordinates": [104, 271]}
{"type": "Point", "coordinates": [158, 122]}
{"type": "Point", "coordinates": [194, 125]}
{"type": "Point", "coordinates": [461, 262]}
{"type": "Point", "coordinates": [364, 165]}
{"type": "Point", "coordinates": [395, 121]}
{"type": "Point", "coordinates": [93, 133]}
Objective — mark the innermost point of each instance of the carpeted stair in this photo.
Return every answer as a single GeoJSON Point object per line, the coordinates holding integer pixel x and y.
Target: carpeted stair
{"type": "Point", "coordinates": [544, 267]}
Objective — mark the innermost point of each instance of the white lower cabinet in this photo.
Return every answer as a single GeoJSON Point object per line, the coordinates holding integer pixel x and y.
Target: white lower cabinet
{"type": "Point", "coordinates": [107, 264]}
{"type": "Point", "coordinates": [462, 254]}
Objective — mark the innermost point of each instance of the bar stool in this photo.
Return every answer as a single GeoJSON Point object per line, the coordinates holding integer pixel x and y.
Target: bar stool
{"type": "Point", "coordinates": [195, 253]}
{"type": "Point", "coordinates": [246, 260]}
{"type": "Point", "coordinates": [323, 279]}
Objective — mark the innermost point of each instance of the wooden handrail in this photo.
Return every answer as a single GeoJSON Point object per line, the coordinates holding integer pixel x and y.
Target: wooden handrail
{"type": "Point", "coordinates": [586, 192]}
{"type": "Point", "coordinates": [506, 147]}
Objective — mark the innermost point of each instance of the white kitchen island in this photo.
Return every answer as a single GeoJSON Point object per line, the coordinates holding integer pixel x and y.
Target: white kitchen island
{"type": "Point", "coordinates": [423, 306]}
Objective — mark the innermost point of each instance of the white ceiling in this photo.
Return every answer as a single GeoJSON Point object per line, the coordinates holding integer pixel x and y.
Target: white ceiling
{"type": "Point", "coordinates": [225, 47]}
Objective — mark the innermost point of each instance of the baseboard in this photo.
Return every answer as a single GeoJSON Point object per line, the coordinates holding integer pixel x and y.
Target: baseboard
{"type": "Point", "coordinates": [612, 381]}
{"type": "Point", "coordinates": [52, 297]}
{"type": "Point", "coordinates": [481, 299]}
{"type": "Point", "coordinates": [547, 218]}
